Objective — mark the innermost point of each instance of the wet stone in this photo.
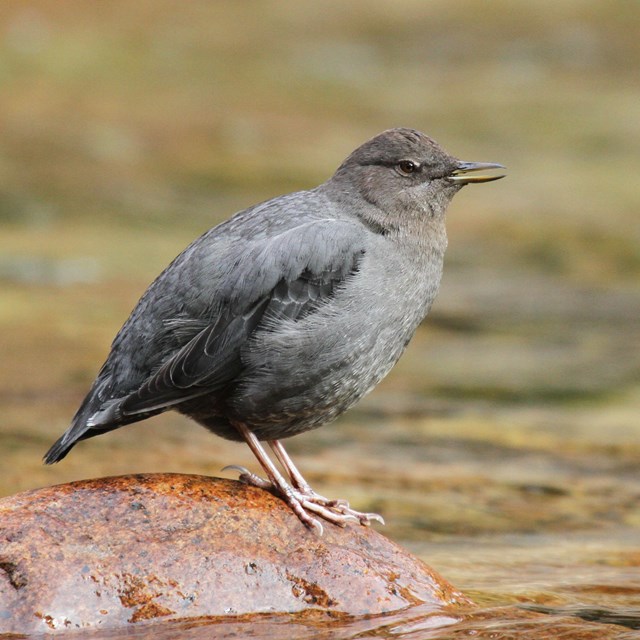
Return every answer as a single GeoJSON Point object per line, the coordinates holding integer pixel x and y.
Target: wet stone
{"type": "Point", "coordinates": [112, 552]}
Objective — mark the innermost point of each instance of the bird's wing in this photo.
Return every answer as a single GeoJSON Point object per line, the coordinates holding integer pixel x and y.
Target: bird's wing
{"type": "Point", "coordinates": [286, 277]}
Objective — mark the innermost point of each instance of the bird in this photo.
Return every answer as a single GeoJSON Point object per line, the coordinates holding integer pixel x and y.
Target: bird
{"type": "Point", "coordinates": [282, 317]}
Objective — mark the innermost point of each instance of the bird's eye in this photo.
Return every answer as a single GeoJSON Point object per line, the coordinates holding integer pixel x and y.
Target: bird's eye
{"type": "Point", "coordinates": [407, 167]}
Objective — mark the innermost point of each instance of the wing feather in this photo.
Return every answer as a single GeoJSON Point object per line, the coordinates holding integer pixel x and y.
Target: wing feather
{"type": "Point", "coordinates": [212, 359]}
{"type": "Point", "coordinates": [236, 279]}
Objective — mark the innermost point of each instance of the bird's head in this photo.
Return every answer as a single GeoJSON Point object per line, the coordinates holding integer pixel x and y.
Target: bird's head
{"type": "Point", "coordinates": [405, 174]}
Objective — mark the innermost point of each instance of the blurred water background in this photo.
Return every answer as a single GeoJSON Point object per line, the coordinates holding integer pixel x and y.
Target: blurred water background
{"type": "Point", "coordinates": [504, 448]}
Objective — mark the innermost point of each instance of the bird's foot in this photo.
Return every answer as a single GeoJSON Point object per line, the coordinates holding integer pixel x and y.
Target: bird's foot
{"type": "Point", "coordinates": [337, 511]}
{"type": "Point", "coordinates": [285, 492]}
{"type": "Point", "coordinates": [304, 502]}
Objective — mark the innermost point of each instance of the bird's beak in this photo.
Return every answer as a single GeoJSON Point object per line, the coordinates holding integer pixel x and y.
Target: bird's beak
{"type": "Point", "coordinates": [460, 174]}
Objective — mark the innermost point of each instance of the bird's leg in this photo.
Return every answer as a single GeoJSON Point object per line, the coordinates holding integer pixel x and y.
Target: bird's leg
{"type": "Point", "coordinates": [276, 483]}
{"type": "Point", "coordinates": [309, 496]}
{"type": "Point", "coordinates": [295, 476]}
{"type": "Point", "coordinates": [302, 499]}
{"type": "Point", "coordinates": [297, 479]}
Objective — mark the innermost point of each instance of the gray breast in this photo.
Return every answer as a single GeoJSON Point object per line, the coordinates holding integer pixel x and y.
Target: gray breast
{"type": "Point", "coordinates": [305, 373]}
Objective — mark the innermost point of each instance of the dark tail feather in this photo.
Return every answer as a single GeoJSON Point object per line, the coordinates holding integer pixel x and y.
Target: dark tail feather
{"type": "Point", "coordinates": [71, 437]}
{"type": "Point", "coordinates": [59, 450]}
{"type": "Point", "coordinates": [80, 428]}
{"type": "Point", "coordinates": [88, 423]}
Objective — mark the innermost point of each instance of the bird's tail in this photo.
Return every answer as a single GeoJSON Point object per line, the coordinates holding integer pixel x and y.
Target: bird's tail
{"type": "Point", "coordinates": [80, 426]}
{"type": "Point", "coordinates": [59, 449]}
{"type": "Point", "coordinates": [95, 416]}
{"type": "Point", "coordinates": [83, 425]}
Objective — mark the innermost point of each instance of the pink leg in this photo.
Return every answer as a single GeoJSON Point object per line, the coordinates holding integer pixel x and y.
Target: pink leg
{"type": "Point", "coordinates": [294, 475]}
{"type": "Point", "coordinates": [297, 480]}
{"type": "Point", "coordinates": [276, 482]}
{"type": "Point", "coordinates": [298, 495]}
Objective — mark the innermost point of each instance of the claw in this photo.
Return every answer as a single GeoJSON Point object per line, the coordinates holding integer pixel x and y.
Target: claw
{"type": "Point", "coordinates": [248, 477]}
{"type": "Point", "coordinates": [366, 518]}
{"type": "Point", "coordinates": [236, 467]}
{"type": "Point", "coordinates": [317, 526]}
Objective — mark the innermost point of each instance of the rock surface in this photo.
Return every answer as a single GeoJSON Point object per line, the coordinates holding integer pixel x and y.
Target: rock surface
{"type": "Point", "coordinates": [110, 552]}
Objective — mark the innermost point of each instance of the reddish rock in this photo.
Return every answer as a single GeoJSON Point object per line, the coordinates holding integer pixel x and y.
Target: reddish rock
{"type": "Point", "coordinates": [109, 552]}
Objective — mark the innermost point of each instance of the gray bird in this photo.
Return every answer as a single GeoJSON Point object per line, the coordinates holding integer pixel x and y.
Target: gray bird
{"type": "Point", "coordinates": [284, 316]}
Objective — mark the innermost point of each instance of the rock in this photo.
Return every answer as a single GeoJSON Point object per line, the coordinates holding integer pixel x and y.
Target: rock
{"type": "Point", "coordinates": [109, 552]}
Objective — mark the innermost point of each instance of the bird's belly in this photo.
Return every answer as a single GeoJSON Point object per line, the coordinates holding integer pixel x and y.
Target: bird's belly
{"type": "Point", "coordinates": [307, 374]}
